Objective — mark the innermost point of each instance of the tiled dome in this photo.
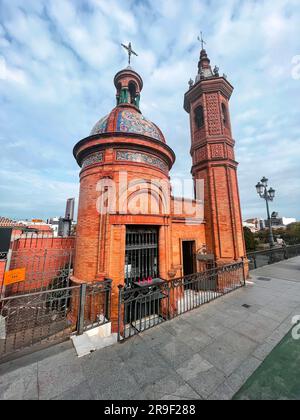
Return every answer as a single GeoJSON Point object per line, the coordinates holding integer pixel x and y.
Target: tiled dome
{"type": "Point", "coordinates": [127, 120]}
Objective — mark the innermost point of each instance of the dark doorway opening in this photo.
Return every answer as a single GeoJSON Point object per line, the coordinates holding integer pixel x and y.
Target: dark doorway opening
{"type": "Point", "coordinates": [188, 257]}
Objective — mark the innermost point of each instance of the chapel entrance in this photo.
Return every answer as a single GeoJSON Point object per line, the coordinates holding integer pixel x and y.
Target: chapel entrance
{"type": "Point", "coordinates": [141, 255]}
{"type": "Point", "coordinates": [188, 257]}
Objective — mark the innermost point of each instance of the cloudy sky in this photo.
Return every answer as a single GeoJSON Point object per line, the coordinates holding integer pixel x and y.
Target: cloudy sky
{"type": "Point", "coordinates": [58, 59]}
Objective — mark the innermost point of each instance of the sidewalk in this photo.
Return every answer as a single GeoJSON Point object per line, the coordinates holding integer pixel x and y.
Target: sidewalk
{"type": "Point", "coordinates": [208, 353]}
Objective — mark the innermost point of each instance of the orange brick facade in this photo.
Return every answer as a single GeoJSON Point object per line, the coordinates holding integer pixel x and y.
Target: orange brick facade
{"type": "Point", "coordinates": [214, 162]}
{"type": "Point", "coordinates": [43, 259]}
{"type": "Point", "coordinates": [124, 145]}
{"type": "Point", "coordinates": [2, 271]}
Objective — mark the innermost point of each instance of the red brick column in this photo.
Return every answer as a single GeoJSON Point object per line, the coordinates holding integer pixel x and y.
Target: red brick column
{"type": "Point", "coordinates": [2, 271]}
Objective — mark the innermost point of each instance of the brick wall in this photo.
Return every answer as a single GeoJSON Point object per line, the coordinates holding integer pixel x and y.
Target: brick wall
{"type": "Point", "coordinates": [43, 259]}
{"type": "Point", "coordinates": [2, 269]}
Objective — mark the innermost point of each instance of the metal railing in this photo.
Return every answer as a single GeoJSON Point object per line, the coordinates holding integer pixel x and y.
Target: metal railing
{"type": "Point", "coordinates": [190, 292]}
{"type": "Point", "coordinates": [94, 308]}
{"type": "Point", "coordinates": [44, 269]}
{"type": "Point", "coordinates": [270, 256]}
{"type": "Point", "coordinates": [144, 307]}
{"type": "Point", "coordinates": [3, 255]}
{"type": "Point", "coordinates": [49, 316]}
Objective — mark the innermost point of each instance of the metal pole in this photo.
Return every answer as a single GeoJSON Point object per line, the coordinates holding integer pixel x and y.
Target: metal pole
{"type": "Point", "coordinates": [120, 287]}
{"type": "Point", "coordinates": [80, 323]}
{"type": "Point", "coordinates": [271, 238]}
{"type": "Point", "coordinates": [107, 298]}
{"type": "Point", "coordinates": [244, 274]}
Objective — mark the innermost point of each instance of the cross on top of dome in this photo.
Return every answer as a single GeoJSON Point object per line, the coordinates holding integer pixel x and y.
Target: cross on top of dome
{"type": "Point", "coordinates": [201, 40]}
{"type": "Point", "coordinates": [130, 51]}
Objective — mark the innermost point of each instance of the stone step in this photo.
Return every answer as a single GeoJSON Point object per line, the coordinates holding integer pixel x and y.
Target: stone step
{"type": "Point", "coordinates": [94, 339]}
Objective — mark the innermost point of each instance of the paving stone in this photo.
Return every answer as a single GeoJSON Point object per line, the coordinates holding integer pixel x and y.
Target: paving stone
{"type": "Point", "coordinates": [57, 375]}
{"type": "Point", "coordinates": [257, 327]}
{"type": "Point", "coordinates": [194, 366]}
{"type": "Point", "coordinates": [172, 385]}
{"type": "Point", "coordinates": [186, 333]}
{"type": "Point", "coordinates": [213, 329]}
{"type": "Point", "coordinates": [80, 392]}
{"type": "Point", "coordinates": [157, 337]}
{"type": "Point", "coordinates": [175, 352]}
{"type": "Point", "coordinates": [229, 351]}
{"type": "Point", "coordinates": [20, 384]}
{"type": "Point", "coordinates": [242, 373]}
{"type": "Point", "coordinates": [97, 363]}
{"type": "Point", "coordinates": [119, 384]}
{"type": "Point", "coordinates": [148, 367]}
{"type": "Point", "coordinates": [223, 393]}
{"type": "Point", "coordinates": [206, 382]}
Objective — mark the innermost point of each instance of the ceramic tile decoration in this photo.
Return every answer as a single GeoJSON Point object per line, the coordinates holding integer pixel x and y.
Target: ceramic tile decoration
{"type": "Point", "coordinates": [91, 159]}
{"type": "Point", "coordinates": [142, 158]}
{"type": "Point", "coordinates": [100, 127]}
{"type": "Point", "coordinates": [134, 122]}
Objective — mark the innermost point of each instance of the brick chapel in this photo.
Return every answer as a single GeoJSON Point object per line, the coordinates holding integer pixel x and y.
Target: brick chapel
{"type": "Point", "coordinates": [130, 227]}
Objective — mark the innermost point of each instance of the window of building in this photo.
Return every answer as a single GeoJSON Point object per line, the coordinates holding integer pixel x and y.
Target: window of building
{"type": "Point", "coordinates": [224, 114]}
{"type": "Point", "coordinates": [119, 87]}
{"type": "Point", "coordinates": [199, 116]}
{"type": "Point", "coordinates": [132, 92]}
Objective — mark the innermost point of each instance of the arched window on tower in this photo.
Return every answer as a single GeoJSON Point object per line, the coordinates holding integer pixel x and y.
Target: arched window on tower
{"type": "Point", "coordinates": [118, 93]}
{"type": "Point", "coordinates": [132, 92]}
{"type": "Point", "coordinates": [199, 116]}
{"type": "Point", "coordinates": [224, 114]}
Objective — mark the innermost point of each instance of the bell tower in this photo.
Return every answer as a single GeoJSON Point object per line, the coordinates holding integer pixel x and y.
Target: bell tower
{"type": "Point", "coordinates": [213, 160]}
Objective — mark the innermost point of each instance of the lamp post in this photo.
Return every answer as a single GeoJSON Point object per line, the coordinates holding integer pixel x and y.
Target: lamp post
{"type": "Point", "coordinates": [267, 195]}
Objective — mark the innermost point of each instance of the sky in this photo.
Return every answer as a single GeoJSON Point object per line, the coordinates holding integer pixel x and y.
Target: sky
{"type": "Point", "coordinates": [57, 63]}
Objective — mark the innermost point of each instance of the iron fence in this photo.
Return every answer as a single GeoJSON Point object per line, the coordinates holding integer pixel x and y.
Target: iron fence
{"type": "Point", "coordinates": [270, 256]}
{"type": "Point", "coordinates": [49, 316]}
{"type": "Point", "coordinates": [3, 255]}
{"type": "Point", "coordinates": [34, 318]}
{"type": "Point", "coordinates": [44, 269]}
{"type": "Point", "coordinates": [144, 306]}
{"type": "Point", "coordinates": [189, 292]}
{"type": "Point", "coordinates": [94, 308]}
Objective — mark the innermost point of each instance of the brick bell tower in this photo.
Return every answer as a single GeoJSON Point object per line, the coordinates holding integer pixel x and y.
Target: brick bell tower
{"type": "Point", "coordinates": [212, 151]}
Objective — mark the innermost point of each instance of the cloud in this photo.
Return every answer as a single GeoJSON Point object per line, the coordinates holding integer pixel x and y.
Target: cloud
{"type": "Point", "coordinates": [58, 60]}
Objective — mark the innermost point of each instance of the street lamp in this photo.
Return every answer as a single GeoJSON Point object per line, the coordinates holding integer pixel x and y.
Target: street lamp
{"type": "Point", "coordinates": [267, 195]}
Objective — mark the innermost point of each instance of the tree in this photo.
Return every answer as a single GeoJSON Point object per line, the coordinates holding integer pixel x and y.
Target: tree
{"type": "Point", "coordinates": [249, 239]}
{"type": "Point", "coordinates": [292, 234]}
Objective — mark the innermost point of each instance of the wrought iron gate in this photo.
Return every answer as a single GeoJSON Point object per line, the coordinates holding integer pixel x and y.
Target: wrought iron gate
{"type": "Point", "coordinates": [141, 257]}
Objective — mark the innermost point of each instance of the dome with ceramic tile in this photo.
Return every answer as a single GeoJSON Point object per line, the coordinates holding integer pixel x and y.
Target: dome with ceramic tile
{"type": "Point", "coordinates": [127, 120]}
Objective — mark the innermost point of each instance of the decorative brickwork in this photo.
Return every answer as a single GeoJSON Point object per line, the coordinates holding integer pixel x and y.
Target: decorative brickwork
{"type": "Point", "coordinates": [213, 114]}
{"type": "Point", "coordinates": [93, 158]}
{"type": "Point", "coordinates": [201, 154]}
{"type": "Point", "coordinates": [142, 158]}
{"type": "Point", "coordinates": [230, 153]}
{"type": "Point", "coordinates": [217, 150]}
